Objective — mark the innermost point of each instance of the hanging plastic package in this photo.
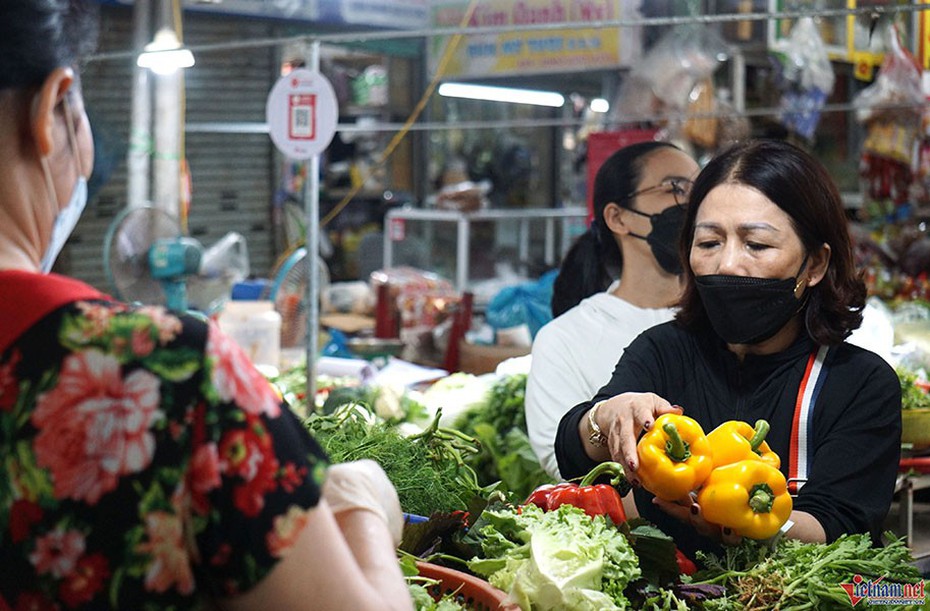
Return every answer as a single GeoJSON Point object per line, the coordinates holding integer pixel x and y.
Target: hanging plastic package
{"type": "Point", "coordinates": [674, 78]}
{"type": "Point", "coordinates": [804, 76]}
{"type": "Point", "coordinates": [890, 108]}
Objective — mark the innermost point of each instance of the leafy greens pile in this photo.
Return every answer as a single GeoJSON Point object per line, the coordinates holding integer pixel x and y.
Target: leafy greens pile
{"type": "Point", "coordinates": [499, 423]}
{"type": "Point", "coordinates": [798, 575]}
{"type": "Point", "coordinates": [561, 559]}
{"type": "Point", "coordinates": [427, 468]}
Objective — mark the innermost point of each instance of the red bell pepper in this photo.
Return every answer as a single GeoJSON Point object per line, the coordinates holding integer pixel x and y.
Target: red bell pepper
{"type": "Point", "coordinates": [595, 500]}
{"type": "Point", "coordinates": [686, 566]}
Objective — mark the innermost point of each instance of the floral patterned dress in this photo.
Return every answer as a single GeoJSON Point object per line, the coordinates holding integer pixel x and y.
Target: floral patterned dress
{"type": "Point", "coordinates": [144, 462]}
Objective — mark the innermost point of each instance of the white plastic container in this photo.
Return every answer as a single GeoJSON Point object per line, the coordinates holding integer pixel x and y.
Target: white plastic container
{"type": "Point", "coordinates": [256, 327]}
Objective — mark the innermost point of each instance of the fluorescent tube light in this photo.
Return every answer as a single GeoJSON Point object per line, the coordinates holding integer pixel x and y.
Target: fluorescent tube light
{"type": "Point", "coordinates": [502, 94]}
{"type": "Point", "coordinates": [165, 55]}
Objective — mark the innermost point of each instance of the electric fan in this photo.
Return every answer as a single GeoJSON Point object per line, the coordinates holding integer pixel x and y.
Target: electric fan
{"type": "Point", "coordinates": [148, 260]}
{"type": "Point", "coordinates": [288, 292]}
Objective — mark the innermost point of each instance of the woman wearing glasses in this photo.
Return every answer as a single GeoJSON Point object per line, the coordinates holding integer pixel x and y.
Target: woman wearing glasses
{"type": "Point", "coordinates": [638, 213]}
{"type": "Point", "coordinates": [770, 294]}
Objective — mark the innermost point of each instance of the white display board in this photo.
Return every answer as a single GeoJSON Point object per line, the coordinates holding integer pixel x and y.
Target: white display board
{"type": "Point", "coordinates": [302, 113]}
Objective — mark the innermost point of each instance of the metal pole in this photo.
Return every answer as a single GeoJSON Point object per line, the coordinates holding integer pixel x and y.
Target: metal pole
{"type": "Point", "coordinates": [311, 197]}
{"type": "Point", "coordinates": [138, 160]}
{"type": "Point", "coordinates": [167, 127]}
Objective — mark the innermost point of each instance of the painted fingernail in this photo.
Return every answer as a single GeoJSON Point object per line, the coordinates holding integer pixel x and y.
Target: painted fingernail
{"type": "Point", "coordinates": [647, 425]}
{"type": "Point", "coordinates": [727, 532]}
{"type": "Point", "coordinates": [694, 510]}
{"type": "Point", "coordinates": [632, 464]}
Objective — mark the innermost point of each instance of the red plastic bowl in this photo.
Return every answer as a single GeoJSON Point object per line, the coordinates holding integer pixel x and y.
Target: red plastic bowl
{"type": "Point", "coordinates": [470, 591]}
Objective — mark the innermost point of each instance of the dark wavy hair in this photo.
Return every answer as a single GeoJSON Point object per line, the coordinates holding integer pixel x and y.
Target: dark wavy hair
{"type": "Point", "coordinates": [38, 36]}
{"type": "Point", "coordinates": [798, 184]}
{"type": "Point", "coordinates": [586, 267]}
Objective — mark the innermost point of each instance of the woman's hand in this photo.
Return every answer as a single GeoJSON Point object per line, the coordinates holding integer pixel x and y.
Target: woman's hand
{"type": "Point", "coordinates": [622, 418]}
{"type": "Point", "coordinates": [689, 512]}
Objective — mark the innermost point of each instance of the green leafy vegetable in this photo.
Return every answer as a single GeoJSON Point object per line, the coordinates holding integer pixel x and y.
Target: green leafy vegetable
{"type": "Point", "coordinates": [798, 575]}
{"type": "Point", "coordinates": [913, 396]}
{"type": "Point", "coordinates": [561, 559]}
{"type": "Point", "coordinates": [499, 423]}
{"type": "Point", "coordinates": [427, 469]}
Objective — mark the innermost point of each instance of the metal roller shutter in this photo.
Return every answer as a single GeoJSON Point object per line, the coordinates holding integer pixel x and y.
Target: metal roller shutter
{"type": "Point", "coordinates": [232, 173]}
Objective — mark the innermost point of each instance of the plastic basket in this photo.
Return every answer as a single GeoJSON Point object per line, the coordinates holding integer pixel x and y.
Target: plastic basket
{"type": "Point", "coordinates": [470, 591]}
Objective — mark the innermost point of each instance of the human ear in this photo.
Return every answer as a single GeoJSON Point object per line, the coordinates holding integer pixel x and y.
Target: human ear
{"type": "Point", "coordinates": [42, 116]}
{"type": "Point", "coordinates": [819, 261]}
{"type": "Point", "coordinates": [613, 219]}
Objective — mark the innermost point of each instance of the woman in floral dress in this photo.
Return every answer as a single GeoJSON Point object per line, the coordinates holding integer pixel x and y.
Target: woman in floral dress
{"type": "Point", "coordinates": [144, 462]}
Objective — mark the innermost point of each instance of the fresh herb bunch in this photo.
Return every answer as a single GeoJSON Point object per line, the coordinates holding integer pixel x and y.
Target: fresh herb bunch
{"type": "Point", "coordinates": [427, 469]}
{"type": "Point", "coordinates": [912, 395]}
{"type": "Point", "coordinates": [499, 423]}
{"type": "Point", "coordinates": [796, 575]}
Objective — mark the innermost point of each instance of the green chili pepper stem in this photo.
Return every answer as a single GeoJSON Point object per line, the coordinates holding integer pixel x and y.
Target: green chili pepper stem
{"type": "Point", "coordinates": [761, 430]}
{"type": "Point", "coordinates": [761, 498]}
{"type": "Point", "coordinates": [614, 468]}
{"type": "Point", "coordinates": [676, 448]}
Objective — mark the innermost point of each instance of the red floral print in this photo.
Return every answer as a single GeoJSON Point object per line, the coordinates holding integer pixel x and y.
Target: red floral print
{"type": "Point", "coordinates": [287, 529]}
{"type": "Point", "coordinates": [87, 579]}
{"type": "Point", "coordinates": [204, 475]}
{"type": "Point", "coordinates": [170, 563]}
{"type": "Point", "coordinates": [9, 385]}
{"type": "Point", "coordinates": [23, 514]}
{"type": "Point", "coordinates": [94, 425]}
{"type": "Point", "coordinates": [57, 552]}
{"type": "Point", "coordinates": [236, 379]}
{"type": "Point", "coordinates": [141, 454]}
{"type": "Point", "coordinates": [248, 454]}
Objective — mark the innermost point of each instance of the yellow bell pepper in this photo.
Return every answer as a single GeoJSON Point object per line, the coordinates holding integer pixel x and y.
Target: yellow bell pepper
{"type": "Point", "coordinates": [674, 457]}
{"type": "Point", "coordinates": [749, 496]}
{"type": "Point", "coordinates": [735, 440]}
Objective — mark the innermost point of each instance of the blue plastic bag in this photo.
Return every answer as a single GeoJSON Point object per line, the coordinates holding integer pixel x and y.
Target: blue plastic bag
{"type": "Point", "coordinates": [529, 303]}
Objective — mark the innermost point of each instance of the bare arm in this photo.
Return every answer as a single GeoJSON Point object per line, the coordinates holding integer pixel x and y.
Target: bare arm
{"type": "Point", "coordinates": [337, 563]}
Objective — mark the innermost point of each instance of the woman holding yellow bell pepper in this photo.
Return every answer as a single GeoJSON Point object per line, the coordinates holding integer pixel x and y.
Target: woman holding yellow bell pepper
{"type": "Point", "coordinates": [770, 292]}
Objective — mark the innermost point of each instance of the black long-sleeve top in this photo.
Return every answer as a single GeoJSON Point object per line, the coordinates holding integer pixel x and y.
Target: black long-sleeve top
{"type": "Point", "coordinates": [856, 427]}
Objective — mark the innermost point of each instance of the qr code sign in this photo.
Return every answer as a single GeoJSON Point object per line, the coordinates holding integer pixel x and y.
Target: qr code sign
{"type": "Point", "coordinates": [302, 116]}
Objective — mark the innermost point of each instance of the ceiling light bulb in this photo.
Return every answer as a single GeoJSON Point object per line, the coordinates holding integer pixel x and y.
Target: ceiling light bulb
{"type": "Point", "coordinates": [165, 55]}
{"type": "Point", "coordinates": [599, 105]}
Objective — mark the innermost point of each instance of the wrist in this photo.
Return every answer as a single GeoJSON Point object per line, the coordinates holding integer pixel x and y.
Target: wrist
{"type": "Point", "coordinates": [596, 435]}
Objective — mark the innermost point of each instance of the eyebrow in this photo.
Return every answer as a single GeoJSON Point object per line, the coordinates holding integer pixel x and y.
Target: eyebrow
{"type": "Point", "coordinates": [743, 227]}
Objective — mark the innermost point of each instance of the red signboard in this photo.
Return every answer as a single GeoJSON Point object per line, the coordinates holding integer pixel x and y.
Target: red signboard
{"type": "Point", "coordinates": [602, 145]}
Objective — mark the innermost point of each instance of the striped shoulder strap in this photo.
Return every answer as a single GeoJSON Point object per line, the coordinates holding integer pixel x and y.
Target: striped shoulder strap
{"type": "Point", "coordinates": [801, 447]}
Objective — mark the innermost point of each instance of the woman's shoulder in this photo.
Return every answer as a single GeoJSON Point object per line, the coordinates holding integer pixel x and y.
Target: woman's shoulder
{"type": "Point", "coordinates": [861, 363]}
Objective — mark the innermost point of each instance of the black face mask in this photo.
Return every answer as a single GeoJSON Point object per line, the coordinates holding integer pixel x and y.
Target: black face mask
{"type": "Point", "coordinates": [747, 310]}
{"type": "Point", "coordinates": [663, 239]}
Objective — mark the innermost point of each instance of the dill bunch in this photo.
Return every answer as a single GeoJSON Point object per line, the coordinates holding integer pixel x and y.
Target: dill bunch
{"type": "Point", "coordinates": [427, 469]}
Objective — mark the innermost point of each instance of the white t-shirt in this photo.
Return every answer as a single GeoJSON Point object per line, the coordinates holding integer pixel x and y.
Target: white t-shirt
{"type": "Point", "coordinates": [574, 355]}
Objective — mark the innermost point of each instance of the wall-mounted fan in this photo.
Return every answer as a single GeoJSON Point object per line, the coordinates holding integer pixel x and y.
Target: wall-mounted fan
{"type": "Point", "coordinates": [148, 260]}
